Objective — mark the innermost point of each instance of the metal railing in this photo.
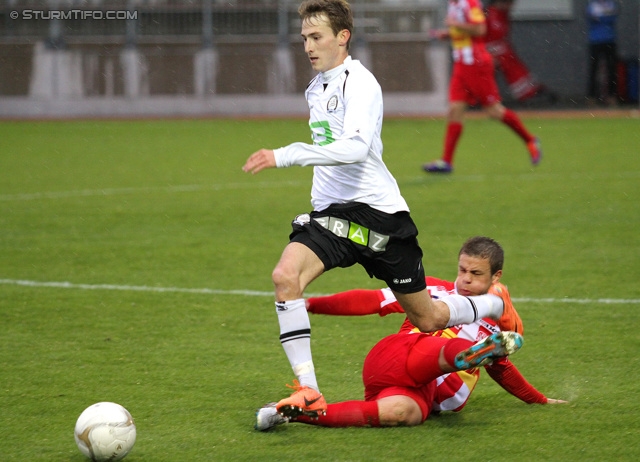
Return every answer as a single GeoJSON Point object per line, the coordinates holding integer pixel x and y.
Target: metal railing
{"type": "Point", "coordinates": [194, 21]}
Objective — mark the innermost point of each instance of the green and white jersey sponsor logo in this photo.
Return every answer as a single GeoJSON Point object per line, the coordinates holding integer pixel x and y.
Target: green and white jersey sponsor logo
{"type": "Point", "coordinates": [321, 133]}
{"type": "Point", "coordinates": [355, 233]}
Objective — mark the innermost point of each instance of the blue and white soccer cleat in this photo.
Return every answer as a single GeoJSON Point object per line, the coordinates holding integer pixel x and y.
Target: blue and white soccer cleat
{"type": "Point", "coordinates": [535, 150]}
{"type": "Point", "coordinates": [485, 351]}
{"type": "Point", "coordinates": [438, 166]}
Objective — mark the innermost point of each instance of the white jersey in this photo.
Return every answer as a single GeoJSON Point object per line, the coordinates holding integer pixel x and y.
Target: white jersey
{"type": "Point", "coordinates": [345, 106]}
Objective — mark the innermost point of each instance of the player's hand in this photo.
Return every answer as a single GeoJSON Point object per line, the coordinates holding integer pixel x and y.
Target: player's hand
{"type": "Point", "coordinates": [556, 401]}
{"type": "Point", "coordinates": [439, 34]}
{"type": "Point", "coordinates": [259, 160]}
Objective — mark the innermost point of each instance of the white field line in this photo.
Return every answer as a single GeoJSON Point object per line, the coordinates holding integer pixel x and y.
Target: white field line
{"type": "Point", "coordinates": [257, 293]}
{"type": "Point", "coordinates": [278, 184]}
{"type": "Point", "coordinates": [69, 285]}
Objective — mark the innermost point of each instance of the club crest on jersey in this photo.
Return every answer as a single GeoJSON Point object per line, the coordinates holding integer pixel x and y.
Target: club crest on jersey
{"type": "Point", "coordinates": [332, 104]}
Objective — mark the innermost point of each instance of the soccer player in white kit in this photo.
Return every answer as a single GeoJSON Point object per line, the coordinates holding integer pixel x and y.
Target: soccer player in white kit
{"type": "Point", "coordinates": [359, 215]}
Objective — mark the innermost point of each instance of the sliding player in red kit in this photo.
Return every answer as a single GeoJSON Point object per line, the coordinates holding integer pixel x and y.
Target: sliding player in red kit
{"type": "Point", "coordinates": [473, 82]}
{"type": "Point", "coordinates": [405, 374]}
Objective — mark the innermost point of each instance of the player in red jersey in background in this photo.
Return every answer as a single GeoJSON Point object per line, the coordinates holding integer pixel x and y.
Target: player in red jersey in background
{"type": "Point", "coordinates": [397, 370]}
{"type": "Point", "coordinates": [522, 84]}
{"type": "Point", "coordinates": [473, 82]}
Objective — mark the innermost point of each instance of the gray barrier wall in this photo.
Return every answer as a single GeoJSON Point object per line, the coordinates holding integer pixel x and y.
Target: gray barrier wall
{"type": "Point", "coordinates": [205, 57]}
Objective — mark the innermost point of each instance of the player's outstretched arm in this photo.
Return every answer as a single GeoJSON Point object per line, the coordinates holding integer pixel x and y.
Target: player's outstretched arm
{"type": "Point", "coordinates": [259, 160]}
{"type": "Point", "coordinates": [507, 375]}
{"type": "Point", "coordinates": [439, 34]}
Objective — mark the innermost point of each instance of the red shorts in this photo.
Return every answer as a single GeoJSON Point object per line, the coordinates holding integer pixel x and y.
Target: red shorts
{"type": "Point", "coordinates": [474, 84]}
{"type": "Point", "coordinates": [384, 372]}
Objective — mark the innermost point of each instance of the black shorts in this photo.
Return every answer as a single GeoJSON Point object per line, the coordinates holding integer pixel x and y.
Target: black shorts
{"type": "Point", "coordinates": [386, 245]}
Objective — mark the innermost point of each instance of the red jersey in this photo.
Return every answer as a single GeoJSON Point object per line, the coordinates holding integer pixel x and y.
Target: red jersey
{"type": "Point", "coordinates": [453, 389]}
{"type": "Point", "coordinates": [467, 49]}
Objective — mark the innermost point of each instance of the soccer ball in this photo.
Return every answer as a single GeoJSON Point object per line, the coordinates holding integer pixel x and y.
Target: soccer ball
{"type": "Point", "coordinates": [105, 432]}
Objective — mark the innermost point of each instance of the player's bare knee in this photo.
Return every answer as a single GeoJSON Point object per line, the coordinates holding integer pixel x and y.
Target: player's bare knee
{"type": "Point", "coordinates": [286, 283]}
{"type": "Point", "coordinates": [400, 412]}
{"type": "Point", "coordinates": [496, 111]}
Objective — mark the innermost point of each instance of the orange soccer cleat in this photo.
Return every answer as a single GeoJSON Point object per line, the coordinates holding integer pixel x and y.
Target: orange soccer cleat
{"type": "Point", "coordinates": [510, 319]}
{"type": "Point", "coordinates": [304, 400]}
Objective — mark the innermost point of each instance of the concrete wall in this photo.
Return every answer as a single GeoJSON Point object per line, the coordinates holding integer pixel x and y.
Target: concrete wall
{"type": "Point", "coordinates": [556, 51]}
{"type": "Point", "coordinates": [183, 79]}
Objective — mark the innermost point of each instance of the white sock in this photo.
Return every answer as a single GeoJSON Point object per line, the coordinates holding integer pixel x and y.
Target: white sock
{"type": "Point", "coordinates": [295, 336]}
{"type": "Point", "coordinates": [466, 310]}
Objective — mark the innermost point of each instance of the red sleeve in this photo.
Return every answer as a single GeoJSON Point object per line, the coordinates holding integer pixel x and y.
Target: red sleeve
{"type": "Point", "coordinates": [361, 302]}
{"type": "Point", "coordinates": [389, 308]}
{"type": "Point", "coordinates": [475, 15]}
{"type": "Point", "coordinates": [507, 375]}
{"type": "Point", "coordinates": [358, 302]}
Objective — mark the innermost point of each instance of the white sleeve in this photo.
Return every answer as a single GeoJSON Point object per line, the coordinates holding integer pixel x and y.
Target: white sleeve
{"type": "Point", "coordinates": [347, 151]}
{"type": "Point", "coordinates": [362, 118]}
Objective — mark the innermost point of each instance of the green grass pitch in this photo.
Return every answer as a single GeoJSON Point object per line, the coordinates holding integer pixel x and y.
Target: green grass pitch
{"type": "Point", "coordinates": [135, 262]}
